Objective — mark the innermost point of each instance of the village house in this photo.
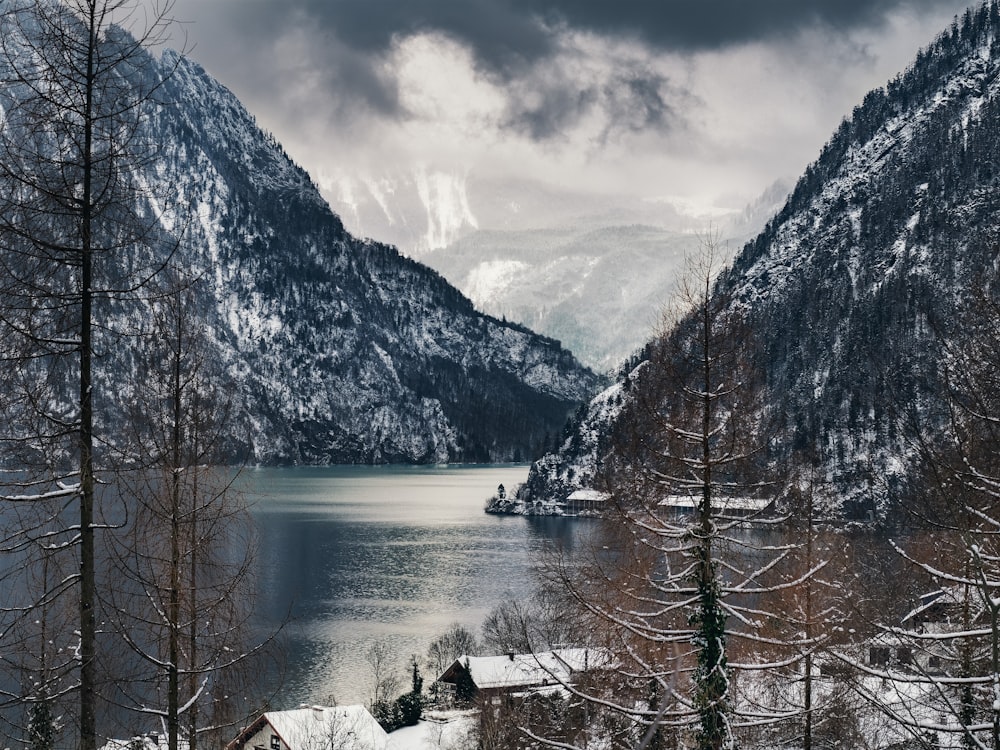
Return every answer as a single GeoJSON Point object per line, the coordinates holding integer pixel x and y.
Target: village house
{"type": "Point", "coordinates": [916, 645]}
{"type": "Point", "coordinates": [313, 728]}
{"type": "Point", "coordinates": [585, 503]}
{"type": "Point", "coordinates": [520, 674]}
{"type": "Point", "coordinates": [724, 506]}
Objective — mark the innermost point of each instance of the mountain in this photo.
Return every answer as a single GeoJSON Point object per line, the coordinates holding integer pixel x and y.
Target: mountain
{"type": "Point", "coordinates": [417, 211]}
{"type": "Point", "coordinates": [598, 291]}
{"type": "Point", "coordinates": [598, 288]}
{"type": "Point", "coordinates": [424, 211]}
{"type": "Point", "coordinates": [854, 288]}
{"type": "Point", "coordinates": [591, 270]}
{"type": "Point", "coordinates": [334, 349]}
{"type": "Point", "coordinates": [345, 351]}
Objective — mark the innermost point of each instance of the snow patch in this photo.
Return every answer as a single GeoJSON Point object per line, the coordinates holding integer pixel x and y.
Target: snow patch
{"type": "Point", "coordinates": [488, 280]}
{"type": "Point", "coordinates": [446, 203]}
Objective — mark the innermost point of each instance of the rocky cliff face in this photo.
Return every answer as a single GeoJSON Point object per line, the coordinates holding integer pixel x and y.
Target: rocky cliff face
{"type": "Point", "coordinates": [332, 349]}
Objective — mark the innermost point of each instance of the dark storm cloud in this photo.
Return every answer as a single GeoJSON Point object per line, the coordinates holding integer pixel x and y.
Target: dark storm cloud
{"type": "Point", "coordinates": [502, 36]}
{"type": "Point", "coordinates": [700, 25]}
{"type": "Point", "coordinates": [343, 44]}
{"type": "Point", "coordinates": [632, 101]}
{"type": "Point", "coordinates": [507, 34]}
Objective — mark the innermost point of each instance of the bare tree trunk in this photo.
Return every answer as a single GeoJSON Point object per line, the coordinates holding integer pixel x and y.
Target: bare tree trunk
{"type": "Point", "coordinates": [173, 651]}
{"type": "Point", "coordinates": [88, 571]}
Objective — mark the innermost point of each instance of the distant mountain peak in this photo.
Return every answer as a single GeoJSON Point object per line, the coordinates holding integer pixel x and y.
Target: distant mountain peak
{"type": "Point", "coordinates": [420, 211]}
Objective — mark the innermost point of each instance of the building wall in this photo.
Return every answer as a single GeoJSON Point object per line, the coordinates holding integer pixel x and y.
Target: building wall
{"type": "Point", "coordinates": [267, 739]}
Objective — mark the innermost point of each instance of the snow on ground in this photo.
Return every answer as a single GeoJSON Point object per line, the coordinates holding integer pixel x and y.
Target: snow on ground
{"type": "Point", "coordinates": [440, 730]}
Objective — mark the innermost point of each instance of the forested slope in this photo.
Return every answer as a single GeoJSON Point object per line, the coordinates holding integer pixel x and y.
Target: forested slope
{"type": "Point", "coordinates": [856, 287]}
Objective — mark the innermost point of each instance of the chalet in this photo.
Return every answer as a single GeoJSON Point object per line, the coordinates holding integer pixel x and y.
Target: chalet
{"type": "Point", "coordinates": [313, 728]}
{"type": "Point", "coordinates": [917, 644]}
{"type": "Point", "coordinates": [523, 673]}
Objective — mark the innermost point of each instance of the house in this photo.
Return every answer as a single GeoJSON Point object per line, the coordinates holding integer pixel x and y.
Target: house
{"type": "Point", "coordinates": [585, 503]}
{"type": "Point", "coordinates": [523, 673]}
{"type": "Point", "coordinates": [945, 610]}
{"type": "Point", "coordinates": [920, 644]}
{"type": "Point", "coordinates": [723, 505]}
{"type": "Point", "coordinates": [313, 728]}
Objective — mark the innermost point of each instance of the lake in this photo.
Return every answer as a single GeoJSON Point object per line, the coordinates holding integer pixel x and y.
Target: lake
{"type": "Point", "coordinates": [393, 554]}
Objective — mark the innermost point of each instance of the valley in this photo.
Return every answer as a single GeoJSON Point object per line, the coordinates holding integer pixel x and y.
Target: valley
{"type": "Point", "coordinates": [241, 443]}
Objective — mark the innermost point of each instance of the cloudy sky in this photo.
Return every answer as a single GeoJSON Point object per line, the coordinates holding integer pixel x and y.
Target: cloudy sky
{"type": "Point", "coordinates": [704, 101]}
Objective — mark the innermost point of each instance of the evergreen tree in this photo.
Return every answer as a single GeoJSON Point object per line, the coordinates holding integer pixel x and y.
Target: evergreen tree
{"type": "Point", "coordinates": [411, 705]}
{"type": "Point", "coordinates": [465, 686]}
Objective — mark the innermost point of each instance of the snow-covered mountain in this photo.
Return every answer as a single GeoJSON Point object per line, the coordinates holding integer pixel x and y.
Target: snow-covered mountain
{"type": "Point", "coordinates": [335, 349]}
{"type": "Point", "coordinates": [590, 270]}
{"type": "Point", "coordinates": [597, 291]}
{"type": "Point", "coordinates": [424, 211]}
{"type": "Point", "coordinates": [345, 350]}
{"type": "Point", "coordinates": [852, 285]}
{"type": "Point", "coordinates": [418, 212]}
{"type": "Point", "coordinates": [598, 288]}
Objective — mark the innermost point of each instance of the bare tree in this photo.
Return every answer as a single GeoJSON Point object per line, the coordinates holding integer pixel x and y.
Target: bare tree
{"type": "Point", "coordinates": [536, 624]}
{"type": "Point", "coordinates": [676, 586]}
{"type": "Point", "coordinates": [385, 680]}
{"type": "Point", "coordinates": [75, 239]}
{"type": "Point", "coordinates": [456, 641]}
{"type": "Point", "coordinates": [184, 594]}
{"type": "Point", "coordinates": [807, 607]}
{"type": "Point", "coordinates": [948, 681]}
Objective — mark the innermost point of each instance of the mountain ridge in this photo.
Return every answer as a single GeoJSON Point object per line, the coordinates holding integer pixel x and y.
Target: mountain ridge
{"type": "Point", "coordinates": [851, 286]}
{"type": "Point", "coordinates": [411, 394]}
{"type": "Point", "coordinates": [334, 349]}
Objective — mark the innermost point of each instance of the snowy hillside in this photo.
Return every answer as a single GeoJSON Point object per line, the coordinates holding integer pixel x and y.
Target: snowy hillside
{"type": "Point", "coordinates": [853, 286]}
{"type": "Point", "coordinates": [331, 348]}
{"type": "Point", "coordinates": [344, 350]}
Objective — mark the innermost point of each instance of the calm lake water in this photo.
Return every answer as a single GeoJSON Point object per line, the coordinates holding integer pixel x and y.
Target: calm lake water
{"type": "Point", "coordinates": [392, 554]}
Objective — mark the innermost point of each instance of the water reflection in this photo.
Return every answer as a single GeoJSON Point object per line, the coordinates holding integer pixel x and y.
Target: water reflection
{"type": "Point", "coordinates": [559, 533]}
{"type": "Point", "coordinates": [359, 554]}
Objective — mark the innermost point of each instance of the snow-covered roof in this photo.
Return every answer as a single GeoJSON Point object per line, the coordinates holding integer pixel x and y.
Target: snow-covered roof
{"type": "Point", "coordinates": [320, 728]}
{"type": "Point", "coordinates": [945, 603]}
{"type": "Point", "coordinates": [724, 503]}
{"type": "Point", "coordinates": [512, 671]}
{"type": "Point", "coordinates": [587, 495]}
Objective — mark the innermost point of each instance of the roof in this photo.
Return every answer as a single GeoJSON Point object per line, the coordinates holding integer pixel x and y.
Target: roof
{"type": "Point", "coordinates": [743, 504]}
{"type": "Point", "coordinates": [512, 671]}
{"type": "Point", "coordinates": [945, 604]}
{"type": "Point", "coordinates": [319, 728]}
{"type": "Point", "coordinates": [593, 496]}
{"type": "Point", "coordinates": [152, 741]}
